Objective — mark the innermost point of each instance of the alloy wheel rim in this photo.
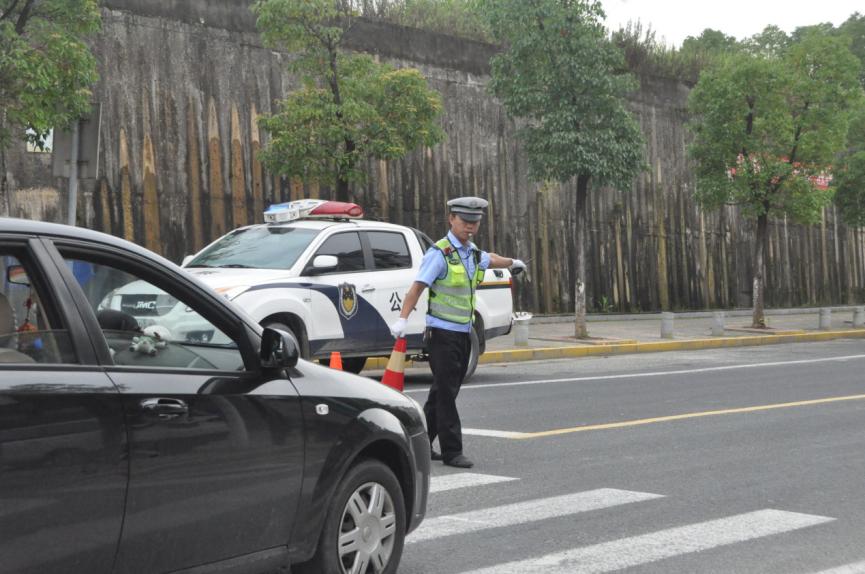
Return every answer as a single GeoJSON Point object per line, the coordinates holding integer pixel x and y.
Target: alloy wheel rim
{"type": "Point", "coordinates": [367, 530]}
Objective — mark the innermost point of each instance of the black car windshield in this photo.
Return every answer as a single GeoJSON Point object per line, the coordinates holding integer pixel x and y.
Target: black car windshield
{"type": "Point", "coordinates": [261, 247]}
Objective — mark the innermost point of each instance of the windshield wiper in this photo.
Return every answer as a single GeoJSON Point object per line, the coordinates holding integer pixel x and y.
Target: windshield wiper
{"type": "Point", "coordinates": [197, 265]}
{"type": "Point", "coordinates": [235, 266]}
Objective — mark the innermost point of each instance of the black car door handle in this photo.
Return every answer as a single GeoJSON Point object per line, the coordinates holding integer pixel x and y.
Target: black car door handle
{"type": "Point", "coordinates": [164, 408]}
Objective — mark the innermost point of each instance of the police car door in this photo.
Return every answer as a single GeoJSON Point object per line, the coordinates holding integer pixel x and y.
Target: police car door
{"type": "Point", "coordinates": [394, 273]}
{"type": "Point", "coordinates": [342, 309]}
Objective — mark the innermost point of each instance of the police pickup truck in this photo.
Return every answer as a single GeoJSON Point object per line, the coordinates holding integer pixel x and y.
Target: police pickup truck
{"type": "Point", "coordinates": [331, 279]}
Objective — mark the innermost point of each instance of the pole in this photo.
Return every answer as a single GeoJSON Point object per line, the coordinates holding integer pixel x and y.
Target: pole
{"type": "Point", "coordinates": [73, 176]}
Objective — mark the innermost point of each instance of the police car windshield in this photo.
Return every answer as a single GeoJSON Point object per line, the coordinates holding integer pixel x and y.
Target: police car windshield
{"type": "Point", "coordinates": [264, 247]}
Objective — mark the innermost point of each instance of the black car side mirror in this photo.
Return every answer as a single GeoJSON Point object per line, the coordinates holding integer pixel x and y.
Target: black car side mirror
{"type": "Point", "coordinates": [16, 275]}
{"type": "Point", "coordinates": [278, 349]}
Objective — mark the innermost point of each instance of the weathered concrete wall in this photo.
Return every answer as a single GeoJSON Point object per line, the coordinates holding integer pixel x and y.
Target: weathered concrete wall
{"type": "Point", "coordinates": [34, 192]}
{"type": "Point", "coordinates": [181, 85]}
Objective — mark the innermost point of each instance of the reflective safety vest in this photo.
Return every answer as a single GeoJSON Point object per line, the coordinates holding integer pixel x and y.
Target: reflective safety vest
{"type": "Point", "coordinates": [453, 298]}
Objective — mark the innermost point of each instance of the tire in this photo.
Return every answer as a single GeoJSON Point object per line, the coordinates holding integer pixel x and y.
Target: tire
{"type": "Point", "coordinates": [349, 364]}
{"type": "Point", "coordinates": [474, 354]}
{"type": "Point", "coordinates": [344, 545]}
{"type": "Point", "coordinates": [354, 364]}
{"type": "Point", "coordinates": [290, 331]}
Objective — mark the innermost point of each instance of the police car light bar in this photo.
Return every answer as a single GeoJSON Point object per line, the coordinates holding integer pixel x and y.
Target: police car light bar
{"type": "Point", "coordinates": [311, 209]}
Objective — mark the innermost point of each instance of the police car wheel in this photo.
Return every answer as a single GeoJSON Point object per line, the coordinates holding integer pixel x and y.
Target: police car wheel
{"type": "Point", "coordinates": [474, 354]}
{"type": "Point", "coordinates": [354, 364]}
{"type": "Point", "coordinates": [350, 364]}
{"type": "Point", "coordinates": [287, 329]}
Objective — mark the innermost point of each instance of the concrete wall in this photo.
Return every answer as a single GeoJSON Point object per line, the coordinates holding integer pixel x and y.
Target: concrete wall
{"type": "Point", "coordinates": [182, 83]}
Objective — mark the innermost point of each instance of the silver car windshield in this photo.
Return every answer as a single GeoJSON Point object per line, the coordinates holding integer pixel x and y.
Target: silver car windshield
{"type": "Point", "coordinates": [262, 247]}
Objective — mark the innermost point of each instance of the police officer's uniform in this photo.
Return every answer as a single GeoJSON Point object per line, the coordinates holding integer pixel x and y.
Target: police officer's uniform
{"type": "Point", "coordinates": [452, 271]}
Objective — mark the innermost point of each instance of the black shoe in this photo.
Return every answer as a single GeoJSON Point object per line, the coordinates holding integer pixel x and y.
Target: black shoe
{"type": "Point", "coordinates": [459, 461]}
{"type": "Point", "coordinates": [435, 455]}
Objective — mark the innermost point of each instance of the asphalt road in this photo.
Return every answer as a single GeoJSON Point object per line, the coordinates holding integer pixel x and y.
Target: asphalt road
{"type": "Point", "coordinates": [729, 460]}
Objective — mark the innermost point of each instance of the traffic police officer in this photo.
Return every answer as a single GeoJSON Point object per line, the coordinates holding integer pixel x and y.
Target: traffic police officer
{"type": "Point", "coordinates": [452, 270]}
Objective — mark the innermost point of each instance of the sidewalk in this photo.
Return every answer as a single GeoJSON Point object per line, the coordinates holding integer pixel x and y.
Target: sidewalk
{"type": "Point", "coordinates": [552, 337]}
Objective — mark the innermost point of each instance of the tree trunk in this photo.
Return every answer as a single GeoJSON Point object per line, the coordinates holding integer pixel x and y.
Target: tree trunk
{"type": "Point", "coordinates": [5, 202]}
{"type": "Point", "coordinates": [759, 321]}
{"type": "Point", "coordinates": [342, 191]}
{"type": "Point", "coordinates": [5, 208]}
{"type": "Point", "coordinates": [580, 330]}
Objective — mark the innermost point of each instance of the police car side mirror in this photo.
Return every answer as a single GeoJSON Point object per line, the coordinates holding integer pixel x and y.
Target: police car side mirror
{"type": "Point", "coordinates": [325, 262]}
{"type": "Point", "coordinates": [278, 349]}
{"type": "Point", "coordinates": [322, 264]}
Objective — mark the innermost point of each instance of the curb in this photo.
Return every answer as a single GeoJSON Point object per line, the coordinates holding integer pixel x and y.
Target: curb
{"type": "Point", "coordinates": [542, 353]}
{"type": "Point", "coordinates": [707, 314]}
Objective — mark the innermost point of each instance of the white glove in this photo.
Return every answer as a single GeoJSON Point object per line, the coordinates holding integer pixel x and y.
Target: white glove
{"type": "Point", "coordinates": [517, 267]}
{"type": "Point", "coordinates": [398, 328]}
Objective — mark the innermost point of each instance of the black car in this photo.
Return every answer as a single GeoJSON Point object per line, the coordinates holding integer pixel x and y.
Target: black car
{"type": "Point", "coordinates": [126, 449]}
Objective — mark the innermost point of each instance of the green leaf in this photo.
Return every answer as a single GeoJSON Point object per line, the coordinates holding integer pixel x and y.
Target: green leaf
{"type": "Point", "coordinates": [561, 76]}
{"type": "Point", "coordinates": [349, 108]}
{"type": "Point", "coordinates": [765, 126]}
{"type": "Point", "coordinates": [46, 69]}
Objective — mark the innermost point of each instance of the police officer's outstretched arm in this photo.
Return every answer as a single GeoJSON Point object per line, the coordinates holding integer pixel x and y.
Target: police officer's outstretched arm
{"type": "Point", "coordinates": [397, 329]}
{"type": "Point", "coordinates": [499, 262]}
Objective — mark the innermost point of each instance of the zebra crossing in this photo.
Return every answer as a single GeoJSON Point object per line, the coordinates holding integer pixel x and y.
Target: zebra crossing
{"type": "Point", "coordinates": [609, 556]}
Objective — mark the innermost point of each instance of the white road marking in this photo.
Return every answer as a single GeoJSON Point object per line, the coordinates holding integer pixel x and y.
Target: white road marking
{"type": "Point", "coordinates": [637, 550]}
{"type": "Point", "coordinates": [527, 511]}
{"type": "Point", "coordinates": [856, 568]}
{"type": "Point", "coordinates": [473, 387]}
{"type": "Point", "coordinates": [494, 433]}
{"type": "Point", "coordinates": [464, 480]}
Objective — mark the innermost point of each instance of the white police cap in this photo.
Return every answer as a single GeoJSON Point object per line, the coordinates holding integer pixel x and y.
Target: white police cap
{"type": "Point", "coordinates": [468, 208]}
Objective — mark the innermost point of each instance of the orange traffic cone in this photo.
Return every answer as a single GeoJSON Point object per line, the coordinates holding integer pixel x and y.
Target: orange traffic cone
{"type": "Point", "coordinates": [336, 361]}
{"type": "Point", "coordinates": [394, 373]}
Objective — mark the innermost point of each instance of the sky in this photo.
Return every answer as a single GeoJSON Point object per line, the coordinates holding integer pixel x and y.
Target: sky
{"type": "Point", "coordinates": [674, 20]}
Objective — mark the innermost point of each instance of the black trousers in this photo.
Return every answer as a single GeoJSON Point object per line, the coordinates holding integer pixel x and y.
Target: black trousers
{"type": "Point", "coordinates": [449, 359]}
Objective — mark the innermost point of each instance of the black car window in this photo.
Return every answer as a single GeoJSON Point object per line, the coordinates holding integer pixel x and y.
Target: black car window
{"type": "Point", "coordinates": [389, 250]}
{"type": "Point", "coordinates": [347, 249]}
{"type": "Point", "coordinates": [29, 331]}
{"type": "Point", "coordinates": [145, 326]}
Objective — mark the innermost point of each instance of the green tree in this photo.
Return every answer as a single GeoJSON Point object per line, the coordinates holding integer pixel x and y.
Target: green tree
{"type": "Point", "coordinates": [46, 69]}
{"type": "Point", "coordinates": [772, 42]}
{"type": "Point", "coordinates": [565, 82]}
{"type": "Point", "coordinates": [849, 173]}
{"type": "Point", "coordinates": [698, 53]}
{"type": "Point", "coordinates": [765, 127]}
{"type": "Point", "coordinates": [854, 28]}
{"type": "Point", "coordinates": [348, 107]}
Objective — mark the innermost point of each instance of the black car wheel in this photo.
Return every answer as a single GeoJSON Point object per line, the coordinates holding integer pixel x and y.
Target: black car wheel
{"type": "Point", "coordinates": [364, 531]}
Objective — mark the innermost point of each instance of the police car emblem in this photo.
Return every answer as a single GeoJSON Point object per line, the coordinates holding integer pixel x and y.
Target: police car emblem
{"type": "Point", "coordinates": [347, 300]}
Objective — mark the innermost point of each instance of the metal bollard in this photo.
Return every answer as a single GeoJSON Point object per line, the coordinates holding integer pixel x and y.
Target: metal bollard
{"type": "Point", "coordinates": [718, 324]}
{"type": "Point", "coordinates": [825, 319]}
{"type": "Point", "coordinates": [521, 329]}
{"type": "Point", "coordinates": [667, 325]}
{"type": "Point", "coordinates": [859, 316]}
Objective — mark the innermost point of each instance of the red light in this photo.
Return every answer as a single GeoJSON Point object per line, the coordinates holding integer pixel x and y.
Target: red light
{"type": "Point", "coordinates": [337, 209]}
